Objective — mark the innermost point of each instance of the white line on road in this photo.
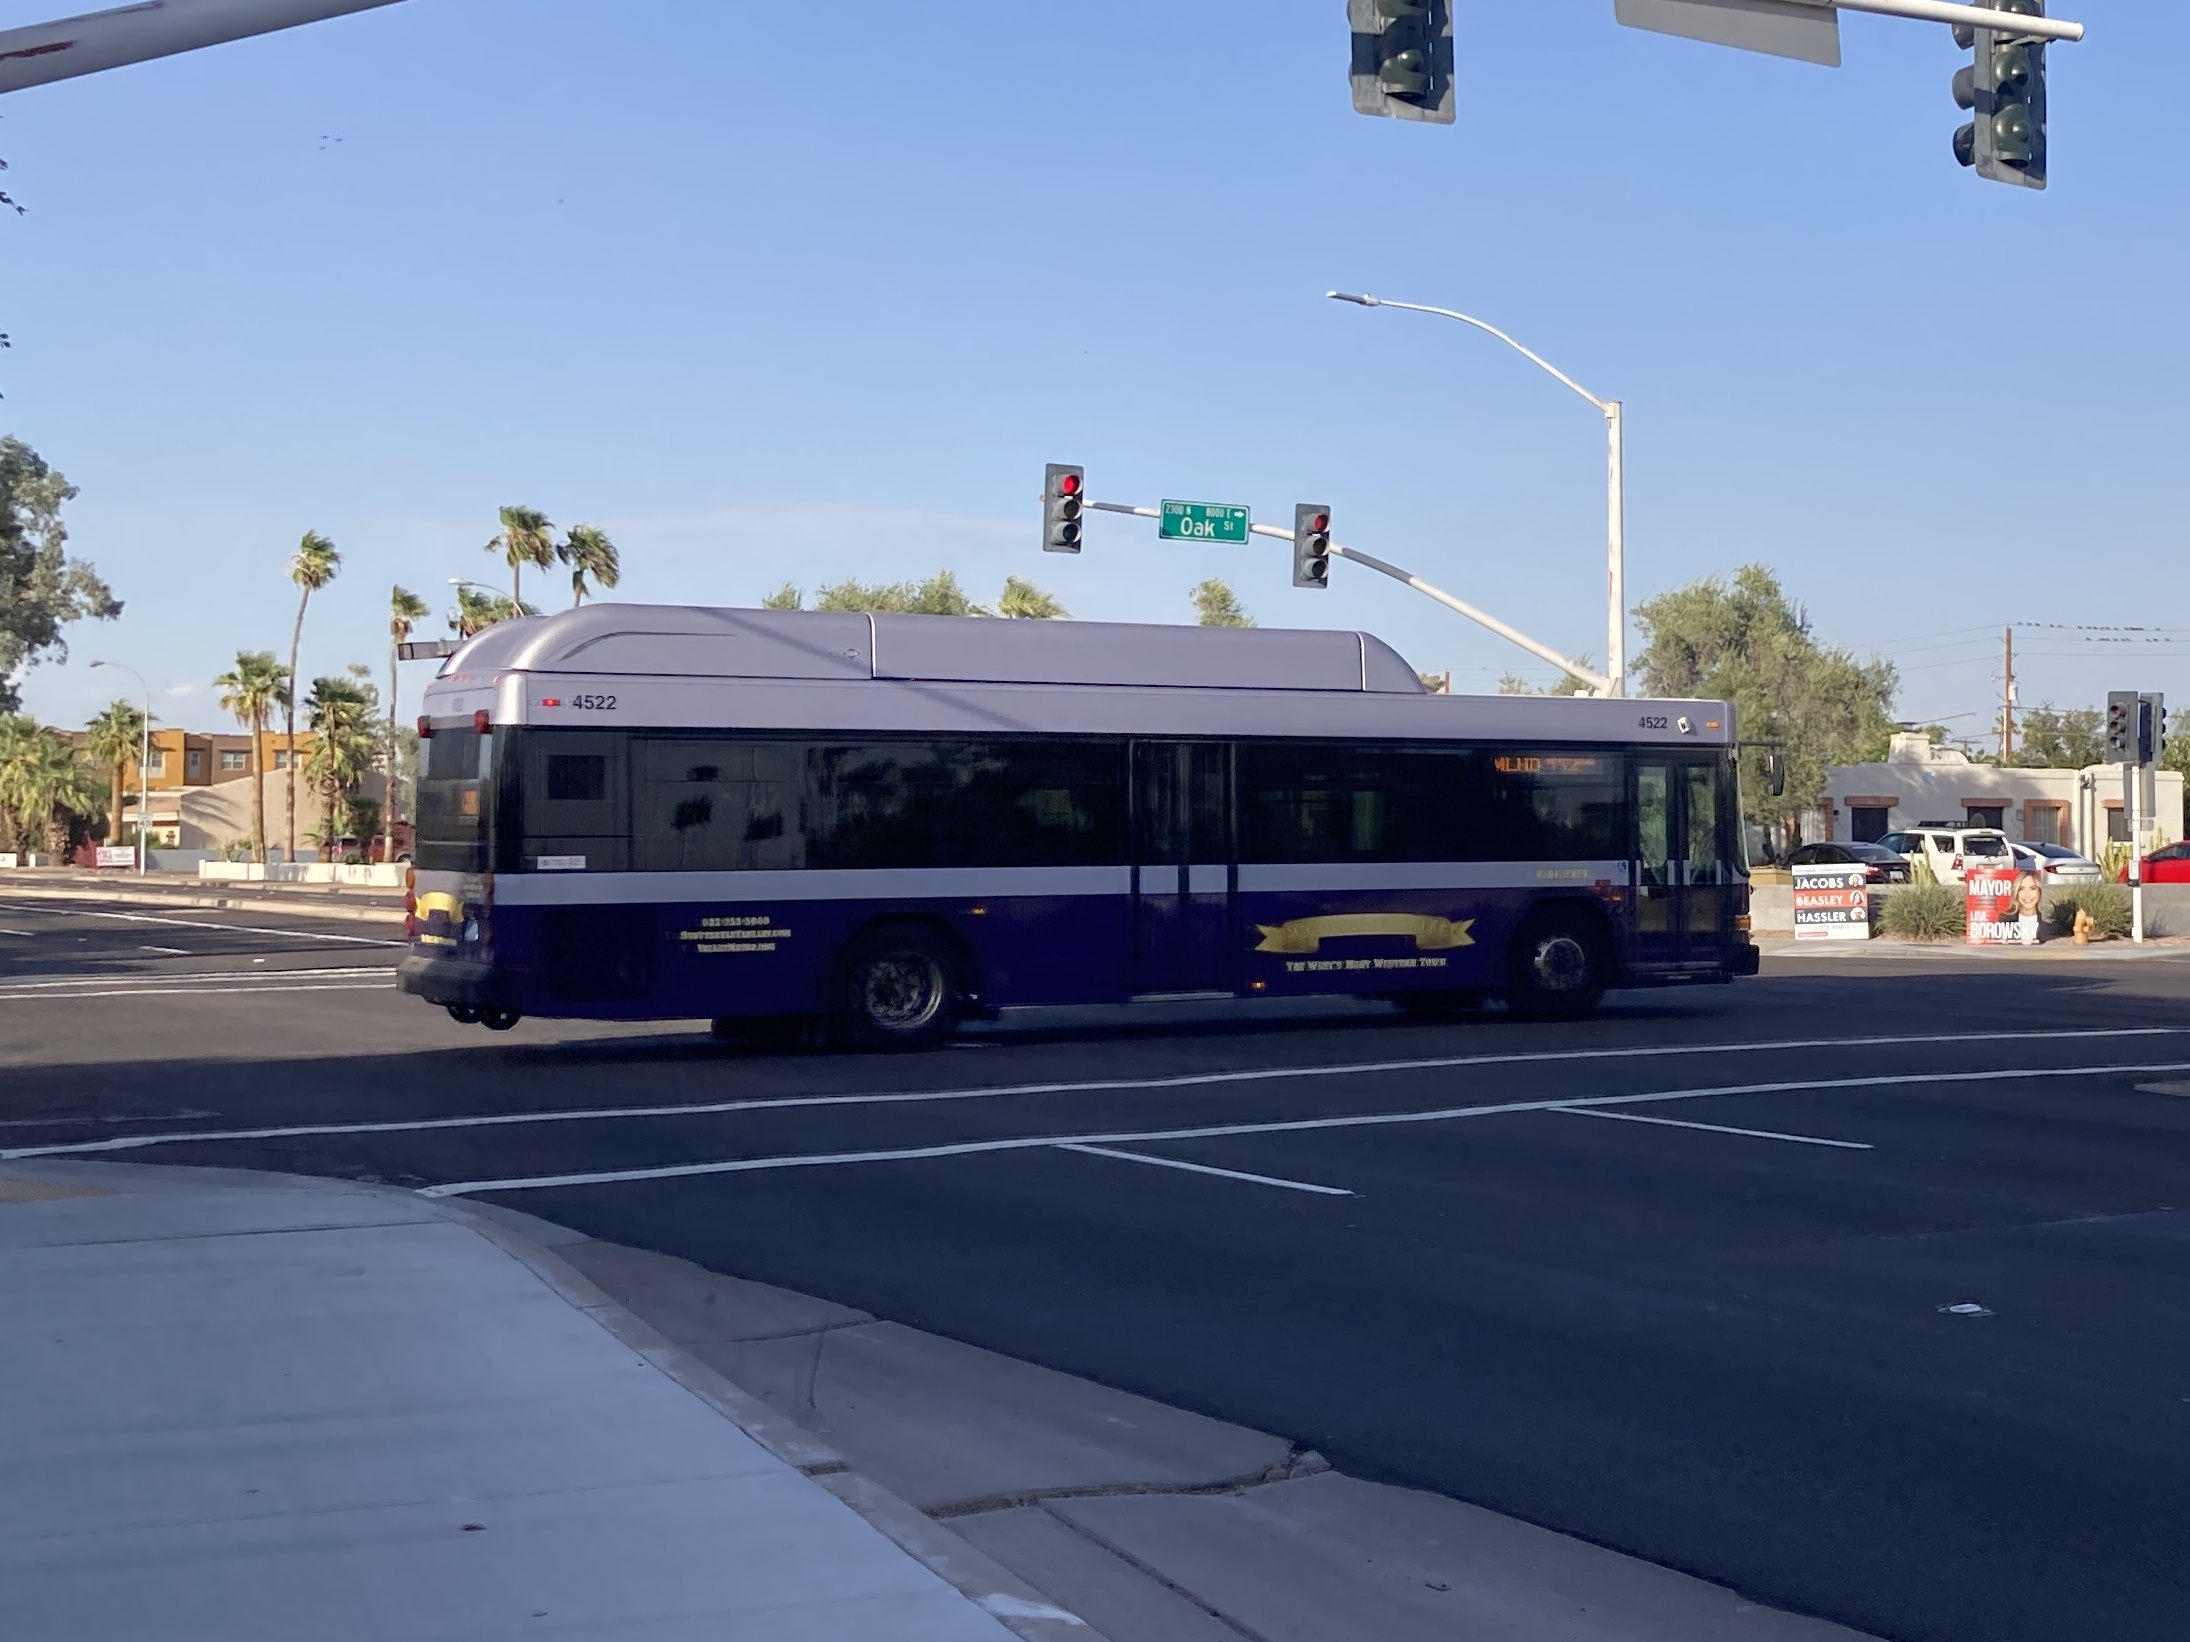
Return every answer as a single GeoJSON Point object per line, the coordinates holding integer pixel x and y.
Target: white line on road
{"type": "Point", "coordinates": [1717, 1128]}
{"type": "Point", "coordinates": [1214, 1131]}
{"type": "Point", "coordinates": [916, 1097]}
{"type": "Point", "coordinates": [166, 951]}
{"type": "Point", "coordinates": [191, 992]}
{"type": "Point", "coordinates": [1204, 1168]}
{"type": "Point", "coordinates": [19, 934]}
{"type": "Point", "coordinates": [193, 976]}
{"type": "Point", "coordinates": [198, 923]}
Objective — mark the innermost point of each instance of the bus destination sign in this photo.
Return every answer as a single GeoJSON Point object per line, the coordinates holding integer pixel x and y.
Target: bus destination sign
{"type": "Point", "coordinates": [1203, 522]}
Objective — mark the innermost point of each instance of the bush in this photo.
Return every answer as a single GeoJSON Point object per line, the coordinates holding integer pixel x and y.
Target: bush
{"type": "Point", "coordinates": [1926, 912]}
{"type": "Point", "coordinates": [2108, 905]}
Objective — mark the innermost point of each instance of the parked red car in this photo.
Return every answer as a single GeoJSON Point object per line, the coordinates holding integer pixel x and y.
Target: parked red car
{"type": "Point", "coordinates": [2165, 866]}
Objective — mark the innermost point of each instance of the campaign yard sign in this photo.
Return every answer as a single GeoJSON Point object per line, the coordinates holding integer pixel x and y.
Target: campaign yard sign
{"type": "Point", "coordinates": [111, 855]}
{"type": "Point", "coordinates": [2003, 908]}
{"type": "Point", "coordinates": [1832, 903]}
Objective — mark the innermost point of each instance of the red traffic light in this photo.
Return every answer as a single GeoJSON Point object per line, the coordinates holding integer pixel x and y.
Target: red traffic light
{"type": "Point", "coordinates": [1068, 484]}
{"type": "Point", "coordinates": [1320, 523]}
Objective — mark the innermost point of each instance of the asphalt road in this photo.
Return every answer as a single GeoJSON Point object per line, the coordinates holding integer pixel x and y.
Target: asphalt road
{"type": "Point", "coordinates": [1857, 1288]}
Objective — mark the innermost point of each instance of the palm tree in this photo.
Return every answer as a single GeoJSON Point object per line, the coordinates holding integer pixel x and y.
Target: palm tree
{"type": "Point", "coordinates": [342, 713]}
{"type": "Point", "coordinates": [589, 552]}
{"type": "Point", "coordinates": [42, 781]}
{"type": "Point", "coordinates": [115, 740]}
{"type": "Point", "coordinates": [251, 693]}
{"type": "Point", "coordinates": [312, 567]}
{"type": "Point", "coordinates": [475, 611]}
{"type": "Point", "coordinates": [405, 611]}
{"type": "Point", "coordinates": [526, 538]}
{"type": "Point", "coordinates": [1024, 600]}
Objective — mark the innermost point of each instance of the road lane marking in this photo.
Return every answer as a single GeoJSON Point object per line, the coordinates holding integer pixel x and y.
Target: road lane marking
{"type": "Point", "coordinates": [19, 934]}
{"type": "Point", "coordinates": [225, 929]}
{"type": "Point", "coordinates": [101, 1117]}
{"type": "Point", "coordinates": [345, 972]}
{"type": "Point", "coordinates": [916, 1097]}
{"type": "Point", "coordinates": [192, 992]}
{"type": "Point", "coordinates": [1204, 1168]}
{"type": "Point", "coordinates": [1718, 1128]}
{"type": "Point", "coordinates": [166, 951]}
{"type": "Point", "coordinates": [1218, 1131]}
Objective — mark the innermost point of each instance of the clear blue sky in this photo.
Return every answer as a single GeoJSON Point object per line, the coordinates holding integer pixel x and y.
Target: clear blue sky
{"type": "Point", "coordinates": [769, 302]}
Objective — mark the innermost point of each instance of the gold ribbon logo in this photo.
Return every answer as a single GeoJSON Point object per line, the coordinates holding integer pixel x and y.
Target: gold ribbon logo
{"type": "Point", "coordinates": [1306, 934]}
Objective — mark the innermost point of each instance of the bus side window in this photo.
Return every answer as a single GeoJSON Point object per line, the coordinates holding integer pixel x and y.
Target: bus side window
{"type": "Point", "coordinates": [1653, 818]}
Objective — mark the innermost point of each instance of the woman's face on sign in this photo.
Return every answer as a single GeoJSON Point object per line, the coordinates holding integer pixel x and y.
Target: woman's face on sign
{"type": "Point", "coordinates": [2028, 892]}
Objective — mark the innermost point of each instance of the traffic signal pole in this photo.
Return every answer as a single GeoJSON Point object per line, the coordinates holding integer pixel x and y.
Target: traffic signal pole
{"type": "Point", "coordinates": [1615, 655]}
{"type": "Point", "coordinates": [40, 53]}
{"type": "Point", "coordinates": [1597, 682]}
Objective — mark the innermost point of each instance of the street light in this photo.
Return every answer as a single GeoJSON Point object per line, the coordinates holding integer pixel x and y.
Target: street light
{"type": "Point", "coordinates": [144, 767]}
{"type": "Point", "coordinates": [1616, 526]}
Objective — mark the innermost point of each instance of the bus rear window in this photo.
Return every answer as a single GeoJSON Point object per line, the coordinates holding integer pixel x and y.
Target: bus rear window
{"type": "Point", "coordinates": [452, 831]}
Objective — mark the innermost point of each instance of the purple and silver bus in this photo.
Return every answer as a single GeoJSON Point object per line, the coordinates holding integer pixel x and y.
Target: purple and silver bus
{"type": "Point", "coordinates": [892, 823]}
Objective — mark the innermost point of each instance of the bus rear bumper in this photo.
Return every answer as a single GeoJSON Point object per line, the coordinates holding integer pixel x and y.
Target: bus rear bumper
{"type": "Point", "coordinates": [454, 981]}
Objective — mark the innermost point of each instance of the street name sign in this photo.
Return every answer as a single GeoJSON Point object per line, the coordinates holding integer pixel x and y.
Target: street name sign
{"type": "Point", "coordinates": [1203, 522]}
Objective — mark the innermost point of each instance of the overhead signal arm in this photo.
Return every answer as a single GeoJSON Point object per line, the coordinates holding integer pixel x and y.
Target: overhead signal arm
{"type": "Point", "coordinates": [1596, 681]}
{"type": "Point", "coordinates": [1809, 30]}
{"type": "Point", "coordinates": [40, 53]}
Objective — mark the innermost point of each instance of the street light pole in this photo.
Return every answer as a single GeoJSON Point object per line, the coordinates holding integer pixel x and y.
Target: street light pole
{"type": "Point", "coordinates": [144, 767]}
{"type": "Point", "coordinates": [1616, 506]}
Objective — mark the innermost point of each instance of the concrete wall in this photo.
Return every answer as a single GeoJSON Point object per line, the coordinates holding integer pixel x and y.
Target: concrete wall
{"type": "Point", "coordinates": [1921, 783]}
{"type": "Point", "coordinates": [1772, 909]}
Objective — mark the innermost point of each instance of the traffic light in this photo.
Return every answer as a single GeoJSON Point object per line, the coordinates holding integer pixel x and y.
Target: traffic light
{"type": "Point", "coordinates": [1311, 545]}
{"type": "Point", "coordinates": [2151, 727]}
{"type": "Point", "coordinates": [2159, 727]}
{"type": "Point", "coordinates": [1402, 62]}
{"type": "Point", "coordinates": [2121, 726]}
{"type": "Point", "coordinates": [1063, 493]}
{"type": "Point", "coordinates": [2004, 86]}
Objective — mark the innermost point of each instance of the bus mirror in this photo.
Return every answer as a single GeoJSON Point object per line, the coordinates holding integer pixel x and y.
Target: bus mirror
{"type": "Point", "coordinates": [1775, 774]}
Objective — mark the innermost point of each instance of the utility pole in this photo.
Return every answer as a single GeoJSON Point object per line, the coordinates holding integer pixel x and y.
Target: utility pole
{"type": "Point", "coordinates": [2007, 701]}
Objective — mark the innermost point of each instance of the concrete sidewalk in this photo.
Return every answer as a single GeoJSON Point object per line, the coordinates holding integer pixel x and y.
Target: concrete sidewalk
{"type": "Point", "coordinates": [370, 905]}
{"type": "Point", "coordinates": [239, 1407]}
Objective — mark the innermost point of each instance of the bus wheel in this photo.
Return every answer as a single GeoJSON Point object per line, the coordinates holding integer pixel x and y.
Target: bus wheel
{"type": "Point", "coordinates": [1557, 965]}
{"type": "Point", "coordinates": [899, 983]}
{"type": "Point", "coordinates": [463, 1014]}
{"type": "Point", "coordinates": [499, 1020]}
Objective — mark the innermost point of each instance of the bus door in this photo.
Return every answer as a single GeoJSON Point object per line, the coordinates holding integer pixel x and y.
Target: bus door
{"type": "Point", "coordinates": [1182, 876]}
{"type": "Point", "coordinates": [1684, 873]}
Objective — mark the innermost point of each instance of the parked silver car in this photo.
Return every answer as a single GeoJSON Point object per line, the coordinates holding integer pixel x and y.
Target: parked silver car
{"type": "Point", "coordinates": [2057, 864]}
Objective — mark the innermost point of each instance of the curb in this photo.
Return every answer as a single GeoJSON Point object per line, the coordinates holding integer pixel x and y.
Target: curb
{"type": "Point", "coordinates": [389, 915]}
{"type": "Point", "coordinates": [991, 1587]}
{"type": "Point", "coordinates": [987, 1584]}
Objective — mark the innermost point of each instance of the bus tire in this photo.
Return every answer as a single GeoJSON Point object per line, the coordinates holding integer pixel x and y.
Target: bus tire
{"type": "Point", "coordinates": [1558, 964]}
{"type": "Point", "coordinates": [900, 988]}
{"type": "Point", "coordinates": [499, 1020]}
{"type": "Point", "coordinates": [463, 1014]}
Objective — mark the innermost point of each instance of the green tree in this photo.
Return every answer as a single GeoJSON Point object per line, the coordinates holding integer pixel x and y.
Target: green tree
{"type": "Point", "coordinates": [405, 611]}
{"type": "Point", "coordinates": [476, 611]}
{"type": "Point", "coordinates": [311, 567]}
{"type": "Point", "coordinates": [786, 597]}
{"type": "Point", "coordinates": [344, 714]}
{"type": "Point", "coordinates": [114, 741]}
{"type": "Point", "coordinates": [42, 589]}
{"type": "Point", "coordinates": [1740, 640]}
{"type": "Point", "coordinates": [43, 784]}
{"type": "Point", "coordinates": [591, 556]}
{"type": "Point", "coordinates": [939, 595]}
{"type": "Point", "coordinates": [1513, 684]}
{"type": "Point", "coordinates": [251, 693]}
{"type": "Point", "coordinates": [1216, 605]}
{"type": "Point", "coordinates": [2057, 740]}
{"type": "Point", "coordinates": [526, 538]}
{"type": "Point", "coordinates": [1024, 601]}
